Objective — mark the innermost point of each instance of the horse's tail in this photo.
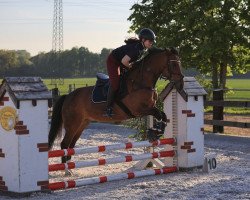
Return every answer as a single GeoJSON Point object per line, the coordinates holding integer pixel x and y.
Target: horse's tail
{"type": "Point", "coordinates": [56, 120]}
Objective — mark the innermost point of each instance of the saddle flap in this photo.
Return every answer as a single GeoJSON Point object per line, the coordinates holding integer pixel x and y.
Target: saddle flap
{"type": "Point", "coordinates": [99, 93]}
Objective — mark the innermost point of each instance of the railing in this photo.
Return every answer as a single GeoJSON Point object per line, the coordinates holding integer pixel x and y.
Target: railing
{"type": "Point", "coordinates": [222, 104]}
{"type": "Point", "coordinates": [218, 105]}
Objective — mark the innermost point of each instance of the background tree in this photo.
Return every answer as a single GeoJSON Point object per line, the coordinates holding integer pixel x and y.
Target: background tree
{"type": "Point", "coordinates": [212, 35]}
{"type": "Point", "coordinates": [8, 60]}
{"type": "Point", "coordinates": [23, 57]}
{"type": "Point", "coordinates": [103, 57]}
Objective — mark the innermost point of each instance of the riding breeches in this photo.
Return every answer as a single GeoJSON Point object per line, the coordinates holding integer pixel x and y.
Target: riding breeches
{"type": "Point", "coordinates": [113, 68]}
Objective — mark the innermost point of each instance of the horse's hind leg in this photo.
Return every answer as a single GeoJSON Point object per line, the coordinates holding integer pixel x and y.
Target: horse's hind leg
{"type": "Point", "coordinates": [72, 131]}
{"type": "Point", "coordinates": [65, 143]}
{"type": "Point", "coordinates": [73, 139]}
{"type": "Point", "coordinates": [77, 136]}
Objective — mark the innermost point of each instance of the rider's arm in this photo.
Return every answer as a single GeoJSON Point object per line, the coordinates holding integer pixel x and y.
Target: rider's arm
{"type": "Point", "coordinates": [125, 61]}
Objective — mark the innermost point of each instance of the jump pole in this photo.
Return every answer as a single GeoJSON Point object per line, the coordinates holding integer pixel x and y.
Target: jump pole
{"type": "Point", "coordinates": [100, 161]}
{"type": "Point", "coordinates": [103, 148]}
{"type": "Point", "coordinates": [103, 179]}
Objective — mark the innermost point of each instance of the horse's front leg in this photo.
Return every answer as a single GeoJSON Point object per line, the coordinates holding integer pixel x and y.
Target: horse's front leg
{"type": "Point", "coordinates": [160, 117]}
{"type": "Point", "coordinates": [161, 121]}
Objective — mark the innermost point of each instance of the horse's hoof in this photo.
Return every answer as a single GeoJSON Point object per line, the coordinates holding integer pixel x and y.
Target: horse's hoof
{"type": "Point", "coordinates": [68, 172]}
{"type": "Point", "coordinates": [154, 135]}
{"type": "Point", "coordinates": [158, 136]}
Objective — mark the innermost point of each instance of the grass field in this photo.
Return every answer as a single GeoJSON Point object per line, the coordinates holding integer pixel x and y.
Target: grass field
{"type": "Point", "coordinates": [64, 86]}
{"type": "Point", "coordinates": [81, 82]}
{"type": "Point", "coordinates": [238, 84]}
{"type": "Point", "coordinates": [231, 84]}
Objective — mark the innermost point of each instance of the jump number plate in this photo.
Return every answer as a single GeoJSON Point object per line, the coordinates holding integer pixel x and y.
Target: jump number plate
{"type": "Point", "coordinates": [210, 163]}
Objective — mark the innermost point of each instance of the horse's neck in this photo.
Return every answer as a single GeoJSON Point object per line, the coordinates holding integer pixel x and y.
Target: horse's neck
{"type": "Point", "coordinates": [141, 78]}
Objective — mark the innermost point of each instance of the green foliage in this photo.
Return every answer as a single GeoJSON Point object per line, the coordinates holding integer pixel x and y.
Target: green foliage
{"type": "Point", "coordinates": [23, 57]}
{"type": "Point", "coordinates": [13, 62]}
{"type": "Point", "coordinates": [77, 62]}
{"type": "Point", "coordinates": [241, 58]}
{"type": "Point", "coordinates": [212, 35]}
{"type": "Point", "coordinates": [8, 60]}
{"type": "Point", "coordinates": [140, 124]}
{"type": "Point", "coordinates": [207, 84]}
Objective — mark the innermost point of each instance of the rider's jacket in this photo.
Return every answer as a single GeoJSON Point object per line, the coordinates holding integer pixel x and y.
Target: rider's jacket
{"type": "Point", "coordinates": [133, 50]}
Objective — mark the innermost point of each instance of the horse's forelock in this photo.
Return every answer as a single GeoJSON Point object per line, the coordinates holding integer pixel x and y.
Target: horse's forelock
{"type": "Point", "coordinates": [172, 50]}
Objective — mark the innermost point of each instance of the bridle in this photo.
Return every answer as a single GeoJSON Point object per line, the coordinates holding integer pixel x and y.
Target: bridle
{"type": "Point", "coordinates": [171, 67]}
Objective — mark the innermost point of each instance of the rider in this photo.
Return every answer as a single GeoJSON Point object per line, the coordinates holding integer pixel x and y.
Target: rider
{"type": "Point", "coordinates": [124, 56]}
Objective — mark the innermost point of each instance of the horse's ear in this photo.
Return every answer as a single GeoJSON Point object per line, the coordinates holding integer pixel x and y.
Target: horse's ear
{"type": "Point", "coordinates": [167, 50]}
{"type": "Point", "coordinates": [174, 50]}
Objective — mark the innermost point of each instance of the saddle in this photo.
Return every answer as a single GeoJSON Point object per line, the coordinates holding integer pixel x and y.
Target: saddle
{"type": "Point", "coordinates": [100, 91]}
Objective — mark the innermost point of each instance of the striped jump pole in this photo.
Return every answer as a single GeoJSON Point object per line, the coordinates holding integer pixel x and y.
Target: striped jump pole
{"type": "Point", "coordinates": [129, 145]}
{"type": "Point", "coordinates": [101, 161]}
{"type": "Point", "coordinates": [103, 179]}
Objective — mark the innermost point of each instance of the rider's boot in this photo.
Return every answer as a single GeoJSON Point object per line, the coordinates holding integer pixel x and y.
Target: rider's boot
{"type": "Point", "coordinates": [110, 101]}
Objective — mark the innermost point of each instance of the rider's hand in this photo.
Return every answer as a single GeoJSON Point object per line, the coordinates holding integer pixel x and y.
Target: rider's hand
{"type": "Point", "coordinates": [131, 65]}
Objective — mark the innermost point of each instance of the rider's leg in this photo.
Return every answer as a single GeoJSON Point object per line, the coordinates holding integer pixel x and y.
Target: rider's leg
{"type": "Point", "coordinates": [110, 101]}
{"type": "Point", "coordinates": [114, 78]}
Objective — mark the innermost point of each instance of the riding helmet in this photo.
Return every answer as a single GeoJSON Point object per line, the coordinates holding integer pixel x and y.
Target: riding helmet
{"type": "Point", "coordinates": [147, 34]}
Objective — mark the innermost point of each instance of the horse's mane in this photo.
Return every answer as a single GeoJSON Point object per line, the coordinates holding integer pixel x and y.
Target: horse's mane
{"type": "Point", "coordinates": [152, 51]}
{"type": "Point", "coordinates": [155, 50]}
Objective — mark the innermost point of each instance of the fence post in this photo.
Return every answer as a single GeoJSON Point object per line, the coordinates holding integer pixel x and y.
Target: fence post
{"type": "Point", "coordinates": [55, 94]}
{"type": "Point", "coordinates": [70, 88]}
{"type": "Point", "coordinates": [218, 110]}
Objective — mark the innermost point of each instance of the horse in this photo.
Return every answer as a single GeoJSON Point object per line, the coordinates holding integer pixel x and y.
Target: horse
{"type": "Point", "coordinates": [76, 110]}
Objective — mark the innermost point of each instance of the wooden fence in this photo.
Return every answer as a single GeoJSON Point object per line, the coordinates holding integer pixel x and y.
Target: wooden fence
{"type": "Point", "coordinates": [218, 105]}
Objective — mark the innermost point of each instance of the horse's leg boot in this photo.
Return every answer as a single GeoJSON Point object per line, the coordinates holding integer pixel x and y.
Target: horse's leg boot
{"type": "Point", "coordinates": [110, 101]}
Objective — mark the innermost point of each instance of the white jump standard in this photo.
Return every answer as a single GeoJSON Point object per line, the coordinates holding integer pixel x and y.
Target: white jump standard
{"type": "Point", "coordinates": [23, 135]}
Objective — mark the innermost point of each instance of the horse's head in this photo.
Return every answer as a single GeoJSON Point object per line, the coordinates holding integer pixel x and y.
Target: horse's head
{"type": "Point", "coordinates": [172, 69]}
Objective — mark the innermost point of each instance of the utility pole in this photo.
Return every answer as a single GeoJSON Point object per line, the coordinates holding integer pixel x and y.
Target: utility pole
{"type": "Point", "coordinates": [57, 39]}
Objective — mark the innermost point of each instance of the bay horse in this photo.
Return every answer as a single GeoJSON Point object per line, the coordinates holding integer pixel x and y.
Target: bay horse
{"type": "Point", "coordinates": [76, 110]}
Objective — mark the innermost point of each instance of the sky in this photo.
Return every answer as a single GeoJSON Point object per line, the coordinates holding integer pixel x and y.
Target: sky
{"type": "Point", "coordinates": [94, 24]}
